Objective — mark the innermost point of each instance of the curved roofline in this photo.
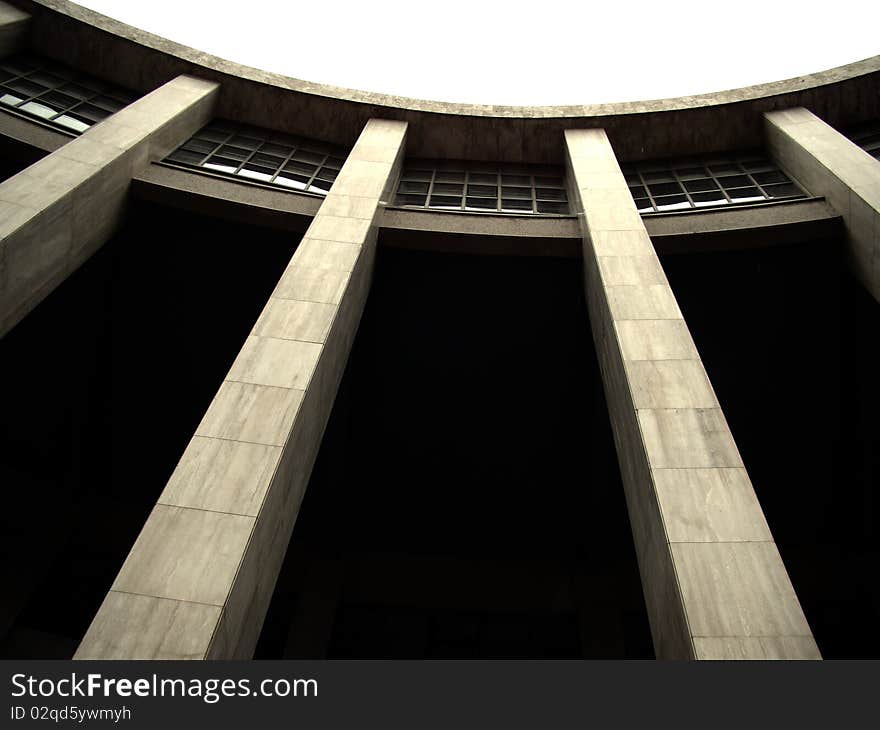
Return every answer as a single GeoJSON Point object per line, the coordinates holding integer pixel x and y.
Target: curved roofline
{"type": "Point", "coordinates": [724, 120]}
{"type": "Point", "coordinates": [221, 65]}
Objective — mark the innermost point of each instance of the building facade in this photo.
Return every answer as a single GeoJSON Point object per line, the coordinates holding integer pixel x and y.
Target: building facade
{"type": "Point", "coordinates": [297, 371]}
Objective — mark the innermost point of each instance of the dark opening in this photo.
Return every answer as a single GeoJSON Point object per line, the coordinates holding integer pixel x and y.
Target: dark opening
{"type": "Point", "coordinates": [15, 157]}
{"type": "Point", "coordinates": [102, 386]}
{"type": "Point", "coordinates": [790, 342]}
{"type": "Point", "coordinates": [466, 501]}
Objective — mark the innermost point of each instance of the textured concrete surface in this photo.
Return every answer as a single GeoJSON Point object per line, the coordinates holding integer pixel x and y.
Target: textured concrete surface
{"type": "Point", "coordinates": [713, 580]}
{"type": "Point", "coordinates": [14, 27]}
{"type": "Point", "coordinates": [831, 165]}
{"type": "Point", "coordinates": [639, 130]}
{"type": "Point", "coordinates": [60, 210]}
{"type": "Point", "coordinates": [205, 564]}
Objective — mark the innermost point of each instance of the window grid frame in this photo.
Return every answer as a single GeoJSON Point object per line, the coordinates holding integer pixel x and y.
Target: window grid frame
{"type": "Point", "coordinates": [465, 170]}
{"type": "Point", "coordinates": [672, 167]}
{"type": "Point", "coordinates": [67, 77]}
{"type": "Point", "coordinates": [264, 137]}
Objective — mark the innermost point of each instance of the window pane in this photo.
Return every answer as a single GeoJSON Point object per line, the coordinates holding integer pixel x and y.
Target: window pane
{"type": "Point", "coordinates": [445, 201]}
{"type": "Point", "coordinates": [413, 187]}
{"type": "Point", "coordinates": [410, 200]}
{"type": "Point", "coordinates": [782, 191]}
{"type": "Point", "coordinates": [516, 205]}
{"type": "Point", "coordinates": [672, 202]}
{"type": "Point", "coordinates": [482, 203]}
{"type": "Point", "coordinates": [664, 188]}
{"type": "Point", "coordinates": [482, 190]}
{"type": "Point", "coordinates": [448, 188]}
{"type": "Point", "coordinates": [707, 199]}
{"type": "Point", "coordinates": [693, 186]}
{"type": "Point", "coordinates": [548, 206]}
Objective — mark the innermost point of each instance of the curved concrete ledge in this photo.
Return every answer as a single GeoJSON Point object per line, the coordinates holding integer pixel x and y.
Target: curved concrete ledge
{"type": "Point", "coordinates": [638, 130]}
{"type": "Point", "coordinates": [722, 229]}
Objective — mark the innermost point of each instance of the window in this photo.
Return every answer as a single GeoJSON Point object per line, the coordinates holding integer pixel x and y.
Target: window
{"type": "Point", "coordinates": [670, 185]}
{"type": "Point", "coordinates": [56, 94]}
{"type": "Point", "coordinates": [483, 187]}
{"type": "Point", "coordinates": [868, 138]}
{"type": "Point", "coordinates": [263, 156]}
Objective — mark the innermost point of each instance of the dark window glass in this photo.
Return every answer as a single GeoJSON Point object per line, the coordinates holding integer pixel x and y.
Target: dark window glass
{"type": "Point", "coordinates": [544, 182]}
{"type": "Point", "coordinates": [515, 204]}
{"type": "Point", "coordinates": [672, 202]}
{"type": "Point", "coordinates": [734, 181]}
{"type": "Point", "coordinates": [445, 201]}
{"type": "Point", "coordinates": [303, 155]}
{"type": "Point", "coordinates": [92, 113]}
{"type": "Point", "coordinates": [260, 158]}
{"type": "Point", "coordinates": [249, 143]}
{"type": "Point", "coordinates": [413, 187]}
{"type": "Point", "coordinates": [448, 188]}
{"type": "Point", "coordinates": [703, 181]}
{"type": "Point", "coordinates": [45, 79]}
{"type": "Point", "coordinates": [724, 168]}
{"type": "Point", "coordinates": [745, 193]}
{"type": "Point", "coordinates": [416, 175]}
{"type": "Point", "coordinates": [693, 186]}
{"type": "Point", "coordinates": [187, 157]}
{"type": "Point", "coordinates": [658, 176]}
{"type": "Point", "coordinates": [482, 190]}
{"type": "Point", "coordinates": [328, 173]}
{"type": "Point", "coordinates": [410, 200]}
{"type": "Point", "coordinates": [276, 149]}
{"type": "Point", "coordinates": [234, 153]}
{"type": "Point", "coordinates": [199, 145]}
{"type": "Point", "coordinates": [473, 186]}
{"type": "Point", "coordinates": [59, 100]}
{"type": "Point", "coordinates": [264, 156]}
{"type": "Point", "coordinates": [691, 173]}
{"type": "Point", "coordinates": [449, 176]}
{"type": "Point", "coordinates": [54, 93]}
{"type": "Point", "coordinates": [108, 103]}
{"type": "Point", "coordinates": [549, 206]}
{"type": "Point", "coordinates": [481, 203]}
{"type": "Point", "coordinates": [664, 188]}
{"type": "Point", "coordinates": [512, 192]}
{"type": "Point", "coordinates": [782, 191]}
{"type": "Point", "coordinates": [317, 185]}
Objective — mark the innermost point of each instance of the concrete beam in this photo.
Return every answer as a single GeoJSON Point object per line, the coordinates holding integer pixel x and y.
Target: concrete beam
{"type": "Point", "coordinates": [198, 581]}
{"type": "Point", "coordinates": [829, 164]}
{"type": "Point", "coordinates": [14, 27]}
{"type": "Point", "coordinates": [56, 213]}
{"type": "Point", "coordinates": [714, 583]}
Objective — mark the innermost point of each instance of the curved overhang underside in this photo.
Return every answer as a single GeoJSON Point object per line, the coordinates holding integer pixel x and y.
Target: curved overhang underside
{"type": "Point", "coordinates": [725, 120]}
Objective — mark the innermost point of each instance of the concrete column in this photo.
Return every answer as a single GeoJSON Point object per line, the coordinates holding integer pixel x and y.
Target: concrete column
{"type": "Point", "coordinates": [829, 164]}
{"type": "Point", "coordinates": [714, 584]}
{"type": "Point", "coordinates": [60, 210]}
{"type": "Point", "coordinates": [200, 576]}
{"type": "Point", "coordinates": [14, 24]}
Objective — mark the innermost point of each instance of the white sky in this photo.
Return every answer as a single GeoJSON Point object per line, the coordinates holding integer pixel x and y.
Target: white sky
{"type": "Point", "coordinates": [514, 52]}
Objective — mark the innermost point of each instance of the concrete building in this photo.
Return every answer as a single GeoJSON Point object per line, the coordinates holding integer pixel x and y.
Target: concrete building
{"type": "Point", "coordinates": [298, 371]}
